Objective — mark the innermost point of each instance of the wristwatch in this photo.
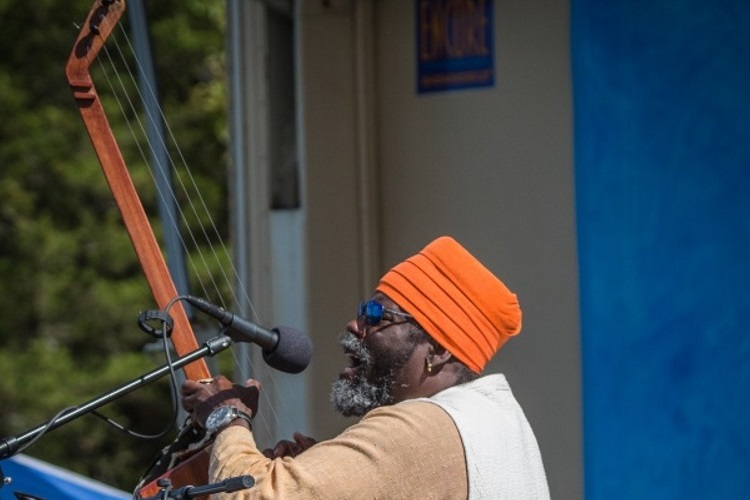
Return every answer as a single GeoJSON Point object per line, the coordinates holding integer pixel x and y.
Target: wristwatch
{"type": "Point", "coordinates": [222, 416]}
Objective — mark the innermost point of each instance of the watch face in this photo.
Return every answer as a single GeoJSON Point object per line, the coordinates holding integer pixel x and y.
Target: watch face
{"type": "Point", "coordinates": [219, 417]}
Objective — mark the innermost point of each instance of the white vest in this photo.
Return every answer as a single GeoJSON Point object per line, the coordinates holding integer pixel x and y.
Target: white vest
{"type": "Point", "coordinates": [502, 455]}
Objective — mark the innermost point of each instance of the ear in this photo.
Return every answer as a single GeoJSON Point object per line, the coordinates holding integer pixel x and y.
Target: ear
{"type": "Point", "coordinates": [438, 355]}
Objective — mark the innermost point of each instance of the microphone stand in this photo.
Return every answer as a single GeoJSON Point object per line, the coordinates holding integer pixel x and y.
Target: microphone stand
{"type": "Point", "coordinates": [229, 485]}
{"type": "Point", "coordinates": [10, 445]}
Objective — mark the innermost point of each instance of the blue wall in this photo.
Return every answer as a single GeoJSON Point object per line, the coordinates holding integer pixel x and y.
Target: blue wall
{"type": "Point", "coordinates": [662, 145]}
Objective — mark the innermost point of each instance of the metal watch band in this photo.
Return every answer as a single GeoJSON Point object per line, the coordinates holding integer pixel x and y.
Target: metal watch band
{"type": "Point", "coordinates": [222, 416]}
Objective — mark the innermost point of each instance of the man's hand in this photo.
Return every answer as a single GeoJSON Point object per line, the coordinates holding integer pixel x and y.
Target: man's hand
{"type": "Point", "coordinates": [288, 448]}
{"type": "Point", "coordinates": [200, 398]}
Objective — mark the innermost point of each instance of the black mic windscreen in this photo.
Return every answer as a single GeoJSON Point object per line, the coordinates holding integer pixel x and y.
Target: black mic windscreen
{"type": "Point", "coordinates": [292, 353]}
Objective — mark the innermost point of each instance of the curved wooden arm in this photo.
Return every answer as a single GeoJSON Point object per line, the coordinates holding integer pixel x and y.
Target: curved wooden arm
{"type": "Point", "coordinates": [99, 24]}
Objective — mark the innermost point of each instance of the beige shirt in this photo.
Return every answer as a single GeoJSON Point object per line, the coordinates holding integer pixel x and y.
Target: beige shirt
{"type": "Point", "coordinates": [410, 450]}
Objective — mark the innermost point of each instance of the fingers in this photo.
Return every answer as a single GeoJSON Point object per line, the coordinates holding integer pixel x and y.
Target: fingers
{"type": "Point", "coordinates": [191, 394]}
{"type": "Point", "coordinates": [252, 383]}
{"type": "Point", "coordinates": [200, 397]}
{"type": "Point", "coordinates": [287, 448]}
{"type": "Point", "coordinates": [188, 387]}
{"type": "Point", "coordinates": [304, 441]}
{"type": "Point", "coordinates": [249, 394]}
{"type": "Point", "coordinates": [282, 449]}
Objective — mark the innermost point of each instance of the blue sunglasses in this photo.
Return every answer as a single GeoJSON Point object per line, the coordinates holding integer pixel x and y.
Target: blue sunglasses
{"type": "Point", "coordinates": [372, 312]}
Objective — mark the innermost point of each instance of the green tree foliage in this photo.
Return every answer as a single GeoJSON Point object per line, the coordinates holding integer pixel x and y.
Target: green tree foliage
{"type": "Point", "coordinates": [71, 282]}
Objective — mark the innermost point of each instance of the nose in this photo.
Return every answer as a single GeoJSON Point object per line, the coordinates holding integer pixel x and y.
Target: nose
{"type": "Point", "coordinates": [356, 327]}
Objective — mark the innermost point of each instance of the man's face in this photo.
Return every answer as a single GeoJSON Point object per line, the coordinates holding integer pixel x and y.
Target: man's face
{"type": "Point", "coordinates": [378, 355]}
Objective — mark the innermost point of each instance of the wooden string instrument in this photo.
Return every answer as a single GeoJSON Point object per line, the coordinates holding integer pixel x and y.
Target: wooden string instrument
{"type": "Point", "coordinates": [100, 22]}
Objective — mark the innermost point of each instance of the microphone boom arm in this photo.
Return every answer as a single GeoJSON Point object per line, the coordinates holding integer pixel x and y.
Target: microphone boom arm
{"type": "Point", "coordinates": [9, 446]}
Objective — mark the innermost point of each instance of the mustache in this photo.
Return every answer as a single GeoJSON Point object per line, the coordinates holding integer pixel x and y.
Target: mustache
{"type": "Point", "coordinates": [356, 348]}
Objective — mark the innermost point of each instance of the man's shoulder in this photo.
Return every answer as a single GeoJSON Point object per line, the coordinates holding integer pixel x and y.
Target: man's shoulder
{"type": "Point", "coordinates": [403, 421]}
{"type": "Point", "coordinates": [421, 408]}
{"type": "Point", "coordinates": [419, 413]}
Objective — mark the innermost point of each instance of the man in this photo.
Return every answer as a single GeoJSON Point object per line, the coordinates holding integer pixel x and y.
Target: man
{"type": "Point", "coordinates": [431, 426]}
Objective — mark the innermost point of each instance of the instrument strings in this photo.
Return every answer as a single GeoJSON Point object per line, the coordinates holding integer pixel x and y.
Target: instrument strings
{"type": "Point", "coordinates": [203, 262]}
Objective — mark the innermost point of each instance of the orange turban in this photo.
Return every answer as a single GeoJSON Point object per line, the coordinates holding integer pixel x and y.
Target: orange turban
{"type": "Point", "coordinates": [458, 301]}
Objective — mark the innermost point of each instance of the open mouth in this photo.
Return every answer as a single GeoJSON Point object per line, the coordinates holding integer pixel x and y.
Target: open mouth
{"type": "Point", "coordinates": [354, 364]}
{"type": "Point", "coordinates": [355, 354]}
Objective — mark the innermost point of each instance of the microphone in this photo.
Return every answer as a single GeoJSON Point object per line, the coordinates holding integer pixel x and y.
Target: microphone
{"type": "Point", "coordinates": [284, 348]}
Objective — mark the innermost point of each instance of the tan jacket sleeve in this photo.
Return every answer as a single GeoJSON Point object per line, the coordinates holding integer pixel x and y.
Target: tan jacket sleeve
{"type": "Point", "coordinates": [410, 450]}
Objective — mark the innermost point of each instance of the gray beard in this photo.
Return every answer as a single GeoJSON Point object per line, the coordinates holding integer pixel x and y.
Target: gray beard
{"type": "Point", "coordinates": [372, 386]}
{"type": "Point", "coordinates": [354, 398]}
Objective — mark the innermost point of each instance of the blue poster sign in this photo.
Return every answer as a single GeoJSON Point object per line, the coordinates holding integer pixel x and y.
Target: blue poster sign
{"type": "Point", "coordinates": [454, 44]}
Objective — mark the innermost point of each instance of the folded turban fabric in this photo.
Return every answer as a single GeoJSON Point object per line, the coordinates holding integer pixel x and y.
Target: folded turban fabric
{"type": "Point", "coordinates": [458, 301]}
